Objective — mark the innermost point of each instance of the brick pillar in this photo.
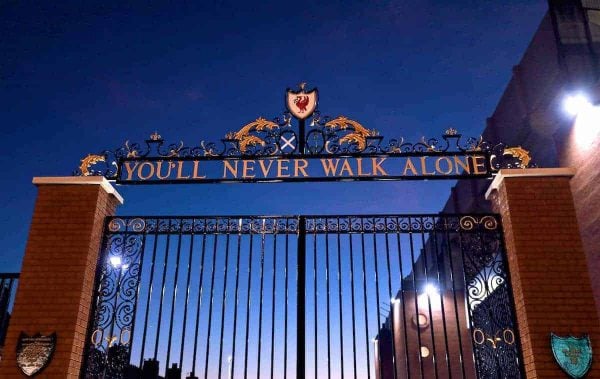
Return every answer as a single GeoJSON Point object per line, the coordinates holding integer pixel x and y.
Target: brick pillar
{"type": "Point", "coordinates": [550, 279]}
{"type": "Point", "coordinates": [57, 276]}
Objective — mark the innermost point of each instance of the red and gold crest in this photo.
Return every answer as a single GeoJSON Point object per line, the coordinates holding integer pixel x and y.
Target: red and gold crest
{"type": "Point", "coordinates": [301, 104]}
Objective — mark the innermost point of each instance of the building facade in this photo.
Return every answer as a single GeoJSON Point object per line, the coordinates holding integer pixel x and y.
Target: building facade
{"type": "Point", "coordinates": [560, 61]}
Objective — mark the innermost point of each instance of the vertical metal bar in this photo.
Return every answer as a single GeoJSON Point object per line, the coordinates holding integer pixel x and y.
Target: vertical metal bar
{"type": "Point", "coordinates": [199, 301]}
{"type": "Point", "coordinates": [327, 299]}
{"type": "Point", "coordinates": [456, 315]}
{"type": "Point", "coordinates": [301, 299]}
{"type": "Point", "coordinates": [377, 294]}
{"type": "Point", "coordinates": [442, 287]}
{"type": "Point", "coordinates": [162, 292]}
{"type": "Point", "coordinates": [467, 300]}
{"type": "Point", "coordinates": [302, 136]}
{"type": "Point", "coordinates": [149, 297]}
{"type": "Point", "coordinates": [425, 271]}
{"type": "Point", "coordinates": [352, 296]}
{"type": "Point", "coordinates": [285, 327]}
{"type": "Point", "coordinates": [500, 237]}
{"type": "Point", "coordinates": [273, 298]}
{"type": "Point", "coordinates": [415, 293]}
{"type": "Point", "coordinates": [262, 284]}
{"type": "Point", "coordinates": [235, 306]}
{"type": "Point", "coordinates": [339, 278]}
{"type": "Point", "coordinates": [174, 297]}
{"type": "Point", "coordinates": [9, 289]}
{"type": "Point", "coordinates": [402, 299]}
{"type": "Point", "coordinates": [364, 278]}
{"type": "Point", "coordinates": [248, 304]}
{"type": "Point", "coordinates": [224, 302]}
{"type": "Point", "coordinates": [187, 295]}
{"type": "Point", "coordinates": [390, 295]}
{"type": "Point", "coordinates": [316, 340]}
{"type": "Point", "coordinates": [488, 290]}
{"type": "Point", "coordinates": [212, 292]}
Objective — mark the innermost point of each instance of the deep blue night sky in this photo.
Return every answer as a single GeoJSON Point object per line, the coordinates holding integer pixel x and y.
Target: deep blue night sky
{"type": "Point", "coordinates": [76, 79]}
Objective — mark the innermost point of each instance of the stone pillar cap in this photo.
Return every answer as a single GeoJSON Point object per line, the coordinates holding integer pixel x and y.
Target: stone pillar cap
{"type": "Point", "coordinates": [78, 180]}
{"type": "Point", "coordinates": [528, 172]}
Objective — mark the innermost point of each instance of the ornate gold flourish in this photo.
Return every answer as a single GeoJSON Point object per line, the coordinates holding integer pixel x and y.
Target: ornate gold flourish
{"type": "Point", "coordinates": [131, 152]}
{"type": "Point", "coordinates": [521, 154]}
{"type": "Point", "coordinates": [476, 146]}
{"type": "Point", "coordinates": [359, 134]}
{"type": "Point", "coordinates": [429, 147]}
{"type": "Point", "coordinates": [116, 224]}
{"type": "Point", "coordinates": [451, 132]}
{"type": "Point", "coordinates": [243, 135]}
{"type": "Point", "coordinates": [470, 222]}
{"type": "Point", "coordinates": [174, 152]}
{"type": "Point", "coordinates": [88, 161]}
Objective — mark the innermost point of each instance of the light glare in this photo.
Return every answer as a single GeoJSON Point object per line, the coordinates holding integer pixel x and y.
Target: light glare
{"type": "Point", "coordinates": [576, 104]}
{"type": "Point", "coordinates": [587, 127]}
{"type": "Point", "coordinates": [431, 290]}
{"type": "Point", "coordinates": [115, 261]}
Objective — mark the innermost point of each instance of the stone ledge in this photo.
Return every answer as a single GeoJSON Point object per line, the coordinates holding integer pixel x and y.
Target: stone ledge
{"type": "Point", "coordinates": [79, 180]}
{"type": "Point", "coordinates": [528, 172]}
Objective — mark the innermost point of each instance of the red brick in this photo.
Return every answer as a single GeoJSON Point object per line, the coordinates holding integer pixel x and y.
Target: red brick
{"type": "Point", "coordinates": [551, 284]}
{"type": "Point", "coordinates": [55, 288]}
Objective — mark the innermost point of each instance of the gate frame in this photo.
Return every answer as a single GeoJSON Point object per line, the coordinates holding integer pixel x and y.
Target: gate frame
{"type": "Point", "coordinates": [478, 223]}
{"type": "Point", "coordinates": [66, 212]}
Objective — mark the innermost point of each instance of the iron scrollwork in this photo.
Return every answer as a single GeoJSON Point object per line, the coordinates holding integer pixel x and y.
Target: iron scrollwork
{"type": "Point", "coordinates": [108, 345]}
{"type": "Point", "coordinates": [488, 298]}
{"type": "Point", "coordinates": [325, 136]}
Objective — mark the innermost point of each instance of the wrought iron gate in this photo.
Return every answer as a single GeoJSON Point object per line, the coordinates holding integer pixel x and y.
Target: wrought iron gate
{"type": "Point", "coordinates": [384, 296]}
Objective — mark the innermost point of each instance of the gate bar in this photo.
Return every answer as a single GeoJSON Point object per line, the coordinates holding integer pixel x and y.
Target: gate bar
{"type": "Point", "coordinates": [301, 300]}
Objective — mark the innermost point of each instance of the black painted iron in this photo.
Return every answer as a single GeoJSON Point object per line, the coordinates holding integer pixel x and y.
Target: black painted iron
{"type": "Point", "coordinates": [244, 313]}
{"type": "Point", "coordinates": [280, 140]}
{"type": "Point", "coordinates": [8, 286]}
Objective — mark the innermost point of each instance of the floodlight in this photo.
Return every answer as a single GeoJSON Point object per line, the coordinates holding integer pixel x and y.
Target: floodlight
{"type": "Point", "coordinates": [576, 104]}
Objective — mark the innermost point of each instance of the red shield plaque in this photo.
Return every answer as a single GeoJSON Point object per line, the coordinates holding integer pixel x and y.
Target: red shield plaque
{"type": "Point", "coordinates": [301, 103]}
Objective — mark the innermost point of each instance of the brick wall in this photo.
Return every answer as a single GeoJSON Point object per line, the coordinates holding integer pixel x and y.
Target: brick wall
{"type": "Point", "coordinates": [547, 263]}
{"type": "Point", "coordinates": [55, 288]}
{"type": "Point", "coordinates": [580, 146]}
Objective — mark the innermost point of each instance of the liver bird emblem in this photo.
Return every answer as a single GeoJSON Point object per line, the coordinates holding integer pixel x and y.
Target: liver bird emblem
{"type": "Point", "coordinates": [301, 102]}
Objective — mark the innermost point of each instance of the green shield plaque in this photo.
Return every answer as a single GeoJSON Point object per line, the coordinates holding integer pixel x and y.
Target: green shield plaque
{"type": "Point", "coordinates": [573, 355]}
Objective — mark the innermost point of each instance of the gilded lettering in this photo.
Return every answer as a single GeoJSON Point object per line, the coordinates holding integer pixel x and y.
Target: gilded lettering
{"type": "Point", "coordinates": [150, 171]}
{"type": "Point", "coordinates": [180, 171]}
{"type": "Point", "coordinates": [159, 170]}
{"type": "Point", "coordinates": [232, 169]}
{"type": "Point", "coordinates": [265, 169]}
{"type": "Point", "coordinates": [424, 167]}
{"type": "Point", "coordinates": [478, 162]}
{"type": "Point", "coordinates": [282, 165]}
{"type": "Point", "coordinates": [195, 173]}
{"type": "Point", "coordinates": [409, 166]}
{"type": "Point", "coordinates": [346, 167]}
{"type": "Point", "coordinates": [300, 165]}
{"type": "Point", "coordinates": [438, 166]}
{"type": "Point", "coordinates": [360, 168]}
{"type": "Point", "coordinates": [329, 166]}
{"type": "Point", "coordinates": [377, 166]}
{"type": "Point", "coordinates": [130, 169]}
{"type": "Point", "coordinates": [458, 163]}
{"type": "Point", "coordinates": [248, 169]}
